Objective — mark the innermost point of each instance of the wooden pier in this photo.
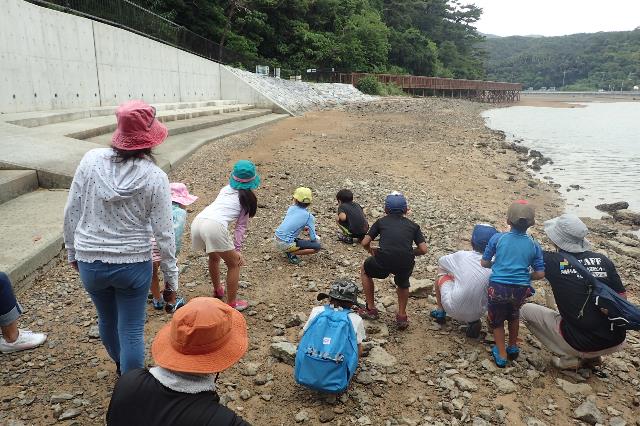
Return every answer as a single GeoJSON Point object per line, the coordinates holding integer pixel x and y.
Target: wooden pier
{"type": "Point", "coordinates": [484, 91]}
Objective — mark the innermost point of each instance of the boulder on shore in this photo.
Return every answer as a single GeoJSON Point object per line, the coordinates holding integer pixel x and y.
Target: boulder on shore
{"type": "Point", "coordinates": [612, 207]}
{"type": "Point", "coordinates": [420, 288]}
{"type": "Point", "coordinates": [627, 217]}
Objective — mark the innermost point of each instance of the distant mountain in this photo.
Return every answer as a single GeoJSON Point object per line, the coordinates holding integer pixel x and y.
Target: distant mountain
{"type": "Point", "coordinates": [490, 35]}
{"type": "Point", "coordinates": [605, 60]}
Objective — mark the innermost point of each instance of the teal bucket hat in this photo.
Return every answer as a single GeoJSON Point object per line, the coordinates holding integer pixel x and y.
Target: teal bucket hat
{"type": "Point", "coordinates": [244, 176]}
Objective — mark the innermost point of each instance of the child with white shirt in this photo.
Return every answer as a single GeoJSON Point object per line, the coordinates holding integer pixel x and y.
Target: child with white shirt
{"type": "Point", "coordinates": [237, 203]}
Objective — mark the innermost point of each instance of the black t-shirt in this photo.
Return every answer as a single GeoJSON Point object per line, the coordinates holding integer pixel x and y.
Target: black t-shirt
{"type": "Point", "coordinates": [356, 221]}
{"type": "Point", "coordinates": [591, 332]}
{"type": "Point", "coordinates": [140, 399]}
{"type": "Point", "coordinates": [397, 235]}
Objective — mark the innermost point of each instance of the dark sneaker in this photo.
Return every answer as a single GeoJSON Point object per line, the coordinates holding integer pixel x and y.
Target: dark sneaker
{"type": "Point", "coordinates": [473, 329]}
{"type": "Point", "coordinates": [172, 307]}
{"type": "Point", "coordinates": [439, 315]}
{"type": "Point", "coordinates": [157, 304]}
{"type": "Point", "coordinates": [345, 239]}
{"type": "Point", "coordinates": [513, 352]}
{"type": "Point", "coordinates": [293, 259]}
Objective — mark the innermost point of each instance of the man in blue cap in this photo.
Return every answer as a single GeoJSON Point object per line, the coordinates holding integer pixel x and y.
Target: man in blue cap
{"type": "Point", "coordinates": [461, 285]}
{"type": "Point", "coordinates": [395, 255]}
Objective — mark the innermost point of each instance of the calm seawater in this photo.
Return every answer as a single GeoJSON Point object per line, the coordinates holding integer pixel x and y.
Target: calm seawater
{"type": "Point", "coordinates": [596, 147]}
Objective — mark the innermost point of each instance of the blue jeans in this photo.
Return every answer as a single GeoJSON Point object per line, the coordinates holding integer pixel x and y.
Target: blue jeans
{"type": "Point", "coordinates": [119, 292]}
{"type": "Point", "coordinates": [10, 309]}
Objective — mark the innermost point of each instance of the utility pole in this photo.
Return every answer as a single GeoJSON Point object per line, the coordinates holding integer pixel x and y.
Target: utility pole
{"type": "Point", "coordinates": [563, 74]}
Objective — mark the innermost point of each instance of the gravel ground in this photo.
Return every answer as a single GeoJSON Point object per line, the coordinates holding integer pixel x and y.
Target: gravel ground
{"type": "Point", "coordinates": [455, 173]}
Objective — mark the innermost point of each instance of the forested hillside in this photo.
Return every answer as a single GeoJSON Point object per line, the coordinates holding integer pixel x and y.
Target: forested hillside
{"type": "Point", "coordinates": [606, 60]}
{"type": "Point", "coordinates": [422, 37]}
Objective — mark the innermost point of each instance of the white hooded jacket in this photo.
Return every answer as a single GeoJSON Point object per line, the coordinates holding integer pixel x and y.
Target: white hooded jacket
{"type": "Point", "coordinates": [115, 208]}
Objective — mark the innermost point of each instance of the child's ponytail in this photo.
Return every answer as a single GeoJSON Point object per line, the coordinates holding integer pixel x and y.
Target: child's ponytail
{"type": "Point", "coordinates": [248, 201]}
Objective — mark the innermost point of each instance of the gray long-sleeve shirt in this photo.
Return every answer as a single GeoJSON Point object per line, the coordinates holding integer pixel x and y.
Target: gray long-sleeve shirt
{"type": "Point", "coordinates": [115, 208]}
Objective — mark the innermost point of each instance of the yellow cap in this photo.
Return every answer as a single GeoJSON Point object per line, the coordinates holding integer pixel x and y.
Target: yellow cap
{"type": "Point", "coordinates": [302, 195]}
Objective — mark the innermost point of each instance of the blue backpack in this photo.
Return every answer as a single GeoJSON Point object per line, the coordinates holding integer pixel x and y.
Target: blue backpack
{"type": "Point", "coordinates": [620, 312]}
{"type": "Point", "coordinates": [327, 355]}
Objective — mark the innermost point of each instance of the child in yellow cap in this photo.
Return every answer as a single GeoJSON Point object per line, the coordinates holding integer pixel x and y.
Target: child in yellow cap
{"type": "Point", "coordinates": [295, 221]}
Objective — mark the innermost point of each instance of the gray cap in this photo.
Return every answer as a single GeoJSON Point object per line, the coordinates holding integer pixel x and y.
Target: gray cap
{"type": "Point", "coordinates": [568, 232]}
{"type": "Point", "coordinates": [342, 289]}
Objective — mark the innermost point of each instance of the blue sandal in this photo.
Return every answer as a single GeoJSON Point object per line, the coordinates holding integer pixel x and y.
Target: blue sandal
{"type": "Point", "coordinates": [500, 362]}
{"type": "Point", "coordinates": [513, 352]}
{"type": "Point", "coordinates": [439, 315]}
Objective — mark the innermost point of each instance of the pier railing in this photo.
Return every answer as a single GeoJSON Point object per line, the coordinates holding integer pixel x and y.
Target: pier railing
{"type": "Point", "coordinates": [488, 91]}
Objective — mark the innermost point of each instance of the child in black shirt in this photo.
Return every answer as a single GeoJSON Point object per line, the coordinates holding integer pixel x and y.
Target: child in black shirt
{"type": "Point", "coordinates": [351, 219]}
{"type": "Point", "coordinates": [395, 255]}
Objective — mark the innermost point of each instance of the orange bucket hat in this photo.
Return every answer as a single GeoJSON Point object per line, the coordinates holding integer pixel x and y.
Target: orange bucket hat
{"type": "Point", "coordinates": [204, 336]}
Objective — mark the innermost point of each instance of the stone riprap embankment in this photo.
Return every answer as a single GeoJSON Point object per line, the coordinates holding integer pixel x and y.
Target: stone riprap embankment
{"type": "Point", "coordinates": [299, 96]}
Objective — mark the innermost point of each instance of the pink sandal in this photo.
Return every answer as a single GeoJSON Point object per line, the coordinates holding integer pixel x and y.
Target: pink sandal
{"type": "Point", "coordinates": [218, 292]}
{"type": "Point", "coordinates": [239, 305]}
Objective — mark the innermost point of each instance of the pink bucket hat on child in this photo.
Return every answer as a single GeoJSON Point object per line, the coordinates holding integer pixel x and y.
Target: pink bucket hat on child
{"type": "Point", "coordinates": [137, 127]}
{"type": "Point", "coordinates": [180, 194]}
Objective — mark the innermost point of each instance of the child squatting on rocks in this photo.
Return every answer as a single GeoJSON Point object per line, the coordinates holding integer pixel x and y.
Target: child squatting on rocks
{"type": "Point", "coordinates": [342, 295]}
{"type": "Point", "coordinates": [461, 286]}
{"type": "Point", "coordinates": [513, 253]}
{"type": "Point", "coordinates": [351, 219]}
{"type": "Point", "coordinates": [180, 198]}
{"type": "Point", "coordinates": [395, 255]}
{"type": "Point", "coordinates": [294, 222]}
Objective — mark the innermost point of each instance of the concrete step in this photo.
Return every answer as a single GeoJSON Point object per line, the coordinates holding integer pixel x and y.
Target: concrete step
{"type": "Point", "coordinates": [14, 183]}
{"type": "Point", "coordinates": [42, 118]}
{"type": "Point", "coordinates": [55, 158]}
{"type": "Point", "coordinates": [31, 230]}
{"type": "Point", "coordinates": [86, 128]}
{"type": "Point", "coordinates": [176, 149]}
{"type": "Point", "coordinates": [195, 124]}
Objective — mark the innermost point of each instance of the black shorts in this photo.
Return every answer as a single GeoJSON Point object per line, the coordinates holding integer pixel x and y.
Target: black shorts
{"type": "Point", "coordinates": [400, 276]}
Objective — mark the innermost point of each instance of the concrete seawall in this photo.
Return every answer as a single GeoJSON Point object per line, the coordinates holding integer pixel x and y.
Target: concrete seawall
{"type": "Point", "coordinates": [51, 60]}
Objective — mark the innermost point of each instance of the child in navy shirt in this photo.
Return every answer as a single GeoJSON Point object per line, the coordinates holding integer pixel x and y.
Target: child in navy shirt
{"type": "Point", "coordinates": [510, 282]}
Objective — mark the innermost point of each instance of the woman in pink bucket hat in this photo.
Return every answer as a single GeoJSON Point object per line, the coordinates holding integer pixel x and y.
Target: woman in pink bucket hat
{"type": "Point", "coordinates": [180, 198]}
{"type": "Point", "coordinates": [118, 200]}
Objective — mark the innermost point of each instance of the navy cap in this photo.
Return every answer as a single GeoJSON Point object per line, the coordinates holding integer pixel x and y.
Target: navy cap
{"type": "Point", "coordinates": [395, 203]}
{"type": "Point", "coordinates": [481, 235]}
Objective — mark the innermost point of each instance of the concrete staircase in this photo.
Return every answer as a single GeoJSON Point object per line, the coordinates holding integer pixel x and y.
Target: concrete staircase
{"type": "Point", "coordinates": [39, 152]}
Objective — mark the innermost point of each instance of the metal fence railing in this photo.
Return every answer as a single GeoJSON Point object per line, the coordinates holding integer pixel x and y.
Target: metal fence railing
{"type": "Point", "coordinates": [128, 15]}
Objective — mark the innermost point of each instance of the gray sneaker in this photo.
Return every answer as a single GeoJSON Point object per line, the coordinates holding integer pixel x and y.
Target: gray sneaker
{"type": "Point", "coordinates": [27, 339]}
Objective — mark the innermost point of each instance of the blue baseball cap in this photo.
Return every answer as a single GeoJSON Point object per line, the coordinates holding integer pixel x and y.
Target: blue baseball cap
{"type": "Point", "coordinates": [481, 235]}
{"type": "Point", "coordinates": [395, 203]}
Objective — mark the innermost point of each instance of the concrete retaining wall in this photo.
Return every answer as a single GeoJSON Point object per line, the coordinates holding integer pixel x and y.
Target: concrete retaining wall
{"type": "Point", "coordinates": [53, 60]}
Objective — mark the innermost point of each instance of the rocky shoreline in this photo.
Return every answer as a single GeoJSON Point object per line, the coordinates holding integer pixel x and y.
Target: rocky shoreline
{"type": "Point", "coordinates": [455, 173]}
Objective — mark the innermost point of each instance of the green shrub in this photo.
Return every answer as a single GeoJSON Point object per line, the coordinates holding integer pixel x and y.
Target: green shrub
{"type": "Point", "coordinates": [369, 85]}
{"type": "Point", "coordinates": [391, 89]}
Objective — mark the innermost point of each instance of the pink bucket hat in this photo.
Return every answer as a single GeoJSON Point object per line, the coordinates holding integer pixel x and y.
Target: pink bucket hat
{"type": "Point", "coordinates": [180, 194]}
{"type": "Point", "coordinates": [137, 127]}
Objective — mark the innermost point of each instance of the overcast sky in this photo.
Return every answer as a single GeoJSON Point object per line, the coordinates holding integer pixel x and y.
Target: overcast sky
{"type": "Point", "coordinates": [556, 17]}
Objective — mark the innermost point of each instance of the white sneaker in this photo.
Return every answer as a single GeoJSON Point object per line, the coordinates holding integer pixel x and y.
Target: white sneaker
{"type": "Point", "coordinates": [27, 339]}
{"type": "Point", "coordinates": [565, 363]}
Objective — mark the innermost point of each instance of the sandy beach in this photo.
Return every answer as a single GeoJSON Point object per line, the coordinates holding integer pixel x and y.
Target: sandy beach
{"type": "Point", "coordinates": [455, 173]}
